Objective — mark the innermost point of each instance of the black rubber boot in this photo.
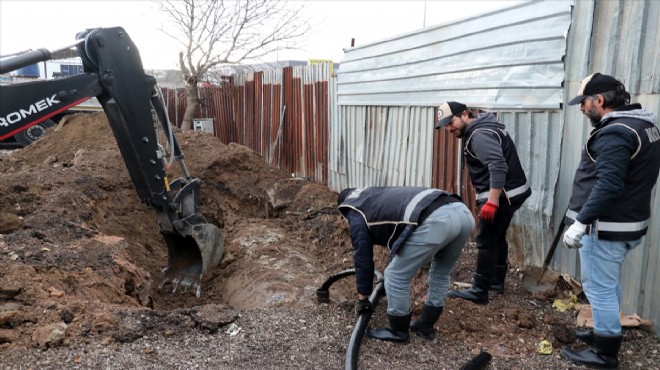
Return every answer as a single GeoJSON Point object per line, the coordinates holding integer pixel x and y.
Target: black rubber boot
{"type": "Point", "coordinates": [478, 293]}
{"type": "Point", "coordinates": [602, 355]}
{"type": "Point", "coordinates": [396, 331]}
{"type": "Point", "coordinates": [585, 334]}
{"type": "Point", "coordinates": [498, 280]}
{"type": "Point", "coordinates": [497, 286]}
{"type": "Point", "coordinates": [424, 323]}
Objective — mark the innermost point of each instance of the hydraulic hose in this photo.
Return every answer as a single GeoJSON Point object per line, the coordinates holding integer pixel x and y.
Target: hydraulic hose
{"type": "Point", "coordinates": [323, 296]}
{"type": "Point", "coordinates": [28, 57]}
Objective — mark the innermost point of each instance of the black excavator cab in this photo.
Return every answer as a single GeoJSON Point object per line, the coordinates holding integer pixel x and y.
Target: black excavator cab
{"type": "Point", "coordinates": [113, 73]}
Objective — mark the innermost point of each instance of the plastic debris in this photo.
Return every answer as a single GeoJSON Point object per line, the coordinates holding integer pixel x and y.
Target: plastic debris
{"type": "Point", "coordinates": [562, 305]}
{"type": "Point", "coordinates": [544, 347]}
{"type": "Point", "coordinates": [233, 329]}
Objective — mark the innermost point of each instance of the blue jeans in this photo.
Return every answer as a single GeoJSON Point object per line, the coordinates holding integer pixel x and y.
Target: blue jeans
{"type": "Point", "coordinates": [600, 261]}
{"type": "Point", "coordinates": [439, 239]}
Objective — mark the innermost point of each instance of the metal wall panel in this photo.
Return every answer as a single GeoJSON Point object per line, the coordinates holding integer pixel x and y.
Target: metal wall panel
{"type": "Point", "coordinates": [650, 290]}
{"type": "Point", "coordinates": [391, 146]}
{"type": "Point", "coordinates": [537, 136]}
{"type": "Point", "coordinates": [304, 116]}
{"type": "Point", "coordinates": [511, 58]}
{"type": "Point", "coordinates": [381, 146]}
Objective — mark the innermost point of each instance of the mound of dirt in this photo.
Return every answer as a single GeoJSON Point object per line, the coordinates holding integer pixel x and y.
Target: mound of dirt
{"type": "Point", "coordinates": [78, 240]}
{"type": "Point", "coordinates": [80, 258]}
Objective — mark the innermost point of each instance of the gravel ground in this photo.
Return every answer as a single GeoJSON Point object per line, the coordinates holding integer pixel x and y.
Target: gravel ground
{"type": "Point", "coordinates": [312, 338]}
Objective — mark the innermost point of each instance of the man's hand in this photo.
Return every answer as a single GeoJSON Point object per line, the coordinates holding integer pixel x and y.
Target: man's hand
{"type": "Point", "coordinates": [573, 236]}
{"type": "Point", "coordinates": [487, 212]}
{"type": "Point", "coordinates": [362, 306]}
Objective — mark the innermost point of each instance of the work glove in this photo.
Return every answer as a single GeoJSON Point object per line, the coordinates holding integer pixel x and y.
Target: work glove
{"type": "Point", "coordinates": [573, 236]}
{"type": "Point", "coordinates": [488, 212]}
{"type": "Point", "coordinates": [362, 306]}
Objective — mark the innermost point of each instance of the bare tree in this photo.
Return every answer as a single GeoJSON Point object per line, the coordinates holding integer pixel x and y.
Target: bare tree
{"type": "Point", "coordinates": [213, 33]}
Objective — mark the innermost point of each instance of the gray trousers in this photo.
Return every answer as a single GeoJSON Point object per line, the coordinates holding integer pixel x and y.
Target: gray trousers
{"type": "Point", "coordinates": [440, 240]}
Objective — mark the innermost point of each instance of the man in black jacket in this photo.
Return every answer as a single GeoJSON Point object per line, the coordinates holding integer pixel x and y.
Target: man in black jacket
{"type": "Point", "coordinates": [501, 186]}
{"type": "Point", "coordinates": [610, 206]}
{"type": "Point", "coordinates": [418, 225]}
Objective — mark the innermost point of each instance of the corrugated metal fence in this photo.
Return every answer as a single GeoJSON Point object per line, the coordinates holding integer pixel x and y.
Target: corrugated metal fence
{"type": "Point", "coordinates": [282, 114]}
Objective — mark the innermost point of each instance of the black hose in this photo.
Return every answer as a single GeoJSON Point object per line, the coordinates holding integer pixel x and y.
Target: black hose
{"type": "Point", "coordinates": [323, 293]}
{"type": "Point", "coordinates": [353, 350]}
{"type": "Point", "coordinates": [323, 296]}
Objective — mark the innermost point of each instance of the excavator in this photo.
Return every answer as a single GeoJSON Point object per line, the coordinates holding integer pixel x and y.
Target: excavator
{"type": "Point", "coordinates": [135, 108]}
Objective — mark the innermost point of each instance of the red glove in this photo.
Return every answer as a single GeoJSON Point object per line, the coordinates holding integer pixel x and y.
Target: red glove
{"type": "Point", "coordinates": [488, 212]}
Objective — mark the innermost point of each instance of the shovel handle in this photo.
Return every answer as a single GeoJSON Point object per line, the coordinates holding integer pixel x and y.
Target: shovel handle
{"type": "Point", "coordinates": [555, 242]}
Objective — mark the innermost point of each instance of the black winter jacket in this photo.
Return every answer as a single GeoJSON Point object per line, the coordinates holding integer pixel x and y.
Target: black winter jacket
{"type": "Point", "coordinates": [618, 169]}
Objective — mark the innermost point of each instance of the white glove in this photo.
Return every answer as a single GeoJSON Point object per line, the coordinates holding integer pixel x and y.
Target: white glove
{"type": "Point", "coordinates": [573, 236]}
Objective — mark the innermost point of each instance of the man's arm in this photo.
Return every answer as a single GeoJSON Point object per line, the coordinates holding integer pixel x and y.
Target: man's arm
{"type": "Point", "coordinates": [494, 196]}
{"type": "Point", "coordinates": [612, 153]}
{"type": "Point", "coordinates": [363, 253]}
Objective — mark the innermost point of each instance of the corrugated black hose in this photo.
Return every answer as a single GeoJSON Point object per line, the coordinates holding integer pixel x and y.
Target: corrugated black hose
{"type": "Point", "coordinates": [323, 296]}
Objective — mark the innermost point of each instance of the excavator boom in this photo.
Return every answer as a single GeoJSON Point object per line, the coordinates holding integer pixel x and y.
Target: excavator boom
{"type": "Point", "coordinates": [130, 98]}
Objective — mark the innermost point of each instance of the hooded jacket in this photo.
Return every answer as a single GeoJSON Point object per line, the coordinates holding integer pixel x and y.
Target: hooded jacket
{"type": "Point", "coordinates": [618, 169]}
{"type": "Point", "coordinates": [492, 160]}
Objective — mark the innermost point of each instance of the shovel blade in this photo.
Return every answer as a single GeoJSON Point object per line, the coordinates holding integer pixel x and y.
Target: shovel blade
{"type": "Point", "coordinates": [191, 256]}
{"type": "Point", "coordinates": [540, 281]}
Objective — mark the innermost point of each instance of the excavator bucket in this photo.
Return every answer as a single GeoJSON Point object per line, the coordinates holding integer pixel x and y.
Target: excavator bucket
{"type": "Point", "coordinates": [191, 256]}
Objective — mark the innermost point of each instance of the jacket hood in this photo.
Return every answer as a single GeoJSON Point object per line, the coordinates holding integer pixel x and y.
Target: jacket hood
{"type": "Point", "coordinates": [631, 111]}
{"type": "Point", "coordinates": [481, 121]}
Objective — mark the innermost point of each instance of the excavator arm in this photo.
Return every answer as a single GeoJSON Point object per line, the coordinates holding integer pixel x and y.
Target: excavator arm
{"type": "Point", "coordinates": [130, 98]}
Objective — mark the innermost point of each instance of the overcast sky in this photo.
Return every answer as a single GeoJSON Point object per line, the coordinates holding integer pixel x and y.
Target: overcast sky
{"type": "Point", "coordinates": [32, 24]}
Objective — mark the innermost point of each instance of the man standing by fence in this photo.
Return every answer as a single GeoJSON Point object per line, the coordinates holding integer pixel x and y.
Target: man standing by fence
{"type": "Point", "coordinates": [501, 185]}
{"type": "Point", "coordinates": [610, 206]}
